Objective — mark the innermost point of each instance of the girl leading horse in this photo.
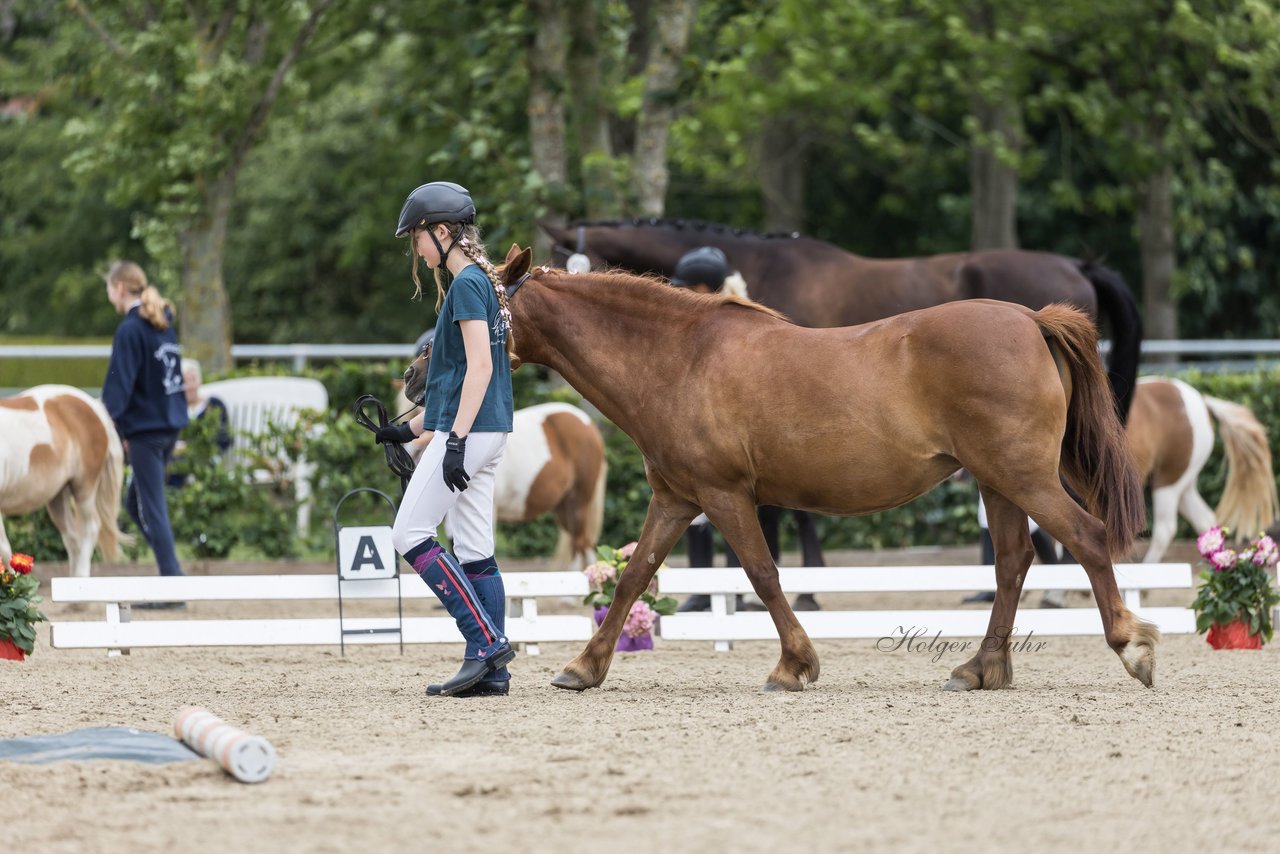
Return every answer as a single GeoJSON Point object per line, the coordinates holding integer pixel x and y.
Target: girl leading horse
{"type": "Point", "coordinates": [844, 421]}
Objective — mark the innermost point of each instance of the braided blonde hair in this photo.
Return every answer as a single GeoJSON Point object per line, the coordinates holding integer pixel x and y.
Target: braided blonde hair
{"type": "Point", "coordinates": [469, 244]}
{"type": "Point", "coordinates": [130, 277]}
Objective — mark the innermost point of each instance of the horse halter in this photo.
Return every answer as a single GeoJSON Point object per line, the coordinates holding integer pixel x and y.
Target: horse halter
{"type": "Point", "coordinates": [515, 286]}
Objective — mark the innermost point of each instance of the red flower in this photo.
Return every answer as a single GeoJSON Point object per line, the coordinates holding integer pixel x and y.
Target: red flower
{"type": "Point", "coordinates": [21, 563]}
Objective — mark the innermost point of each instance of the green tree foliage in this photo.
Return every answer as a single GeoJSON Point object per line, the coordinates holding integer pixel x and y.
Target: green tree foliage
{"type": "Point", "coordinates": [182, 93]}
{"type": "Point", "coordinates": [879, 95]}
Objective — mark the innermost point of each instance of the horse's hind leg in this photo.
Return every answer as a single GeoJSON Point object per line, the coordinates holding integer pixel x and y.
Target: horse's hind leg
{"type": "Point", "coordinates": [6, 550]}
{"type": "Point", "coordinates": [1197, 511]}
{"type": "Point", "coordinates": [666, 520]}
{"type": "Point", "coordinates": [1164, 520]}
{"type": "Point", "coordinates": [1132, 638]}
{"type": "Point", "coordinates": [79, 527]}
{"type": "Point", "coordinates": [992, 666]}
{"type": "Point", "coordinates": [735, 516]}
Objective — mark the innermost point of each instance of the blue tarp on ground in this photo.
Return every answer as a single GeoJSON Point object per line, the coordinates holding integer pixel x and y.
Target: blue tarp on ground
{"type": "Point", "coordinates": [130, 745]}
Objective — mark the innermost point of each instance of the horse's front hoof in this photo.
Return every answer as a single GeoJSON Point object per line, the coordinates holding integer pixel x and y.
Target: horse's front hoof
{"type": "Point", "coordinates": [571, 681]}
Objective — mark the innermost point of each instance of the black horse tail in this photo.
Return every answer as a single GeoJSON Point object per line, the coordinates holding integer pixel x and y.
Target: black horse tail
{"type": "Point", "coordinates": [1116, 303]}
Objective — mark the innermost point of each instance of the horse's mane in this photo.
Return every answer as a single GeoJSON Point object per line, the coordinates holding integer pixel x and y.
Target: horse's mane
{"type": "Point", "coordinates": [659, 291]}
{"type": "Point", "coordinates": [688, 225]}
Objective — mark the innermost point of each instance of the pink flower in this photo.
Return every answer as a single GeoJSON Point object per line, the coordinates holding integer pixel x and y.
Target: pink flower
{"type": "Point", "coordinates": [1210, 541]}
{"type": "Point", "coordinates": [639, 620]}
{"type": "Point", "coordinates": [598, 573]}
{"type": "Point", "coordinates": [628, 550]}
{"type": "Point", "coordinates": [1267, 552]}
{"type": "Point", "coordinates": [1223, 559]}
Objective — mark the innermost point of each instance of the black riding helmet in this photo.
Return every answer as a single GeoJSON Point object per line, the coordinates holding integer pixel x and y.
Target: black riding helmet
{"type": "Point", "coordinates": [439, 201]}
{"type": "Point", "coordinates": [705, 265]}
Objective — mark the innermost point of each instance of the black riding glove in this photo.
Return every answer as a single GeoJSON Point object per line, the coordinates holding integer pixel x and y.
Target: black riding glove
{"type": "Point", "coordinates": [397, 433]}
{"type": "Point", "coordinates": [455, 476]}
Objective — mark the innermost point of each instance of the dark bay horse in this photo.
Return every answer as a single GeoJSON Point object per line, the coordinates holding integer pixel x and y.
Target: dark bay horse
{"type": "Point", "coordinates": [844, 421]}
{"type": "Point", "coordinates": [820, 285]}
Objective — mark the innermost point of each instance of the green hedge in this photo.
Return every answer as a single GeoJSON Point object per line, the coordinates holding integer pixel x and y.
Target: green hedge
{"type": "Point", "coordinates": [221, 513]}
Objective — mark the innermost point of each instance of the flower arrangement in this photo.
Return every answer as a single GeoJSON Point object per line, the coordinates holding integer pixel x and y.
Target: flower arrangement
{"type": "Point", "coordinates": [1236, 590]}
{"type": "Point", "coordinates": [18, 600]}
{"type": "Point", "coordinates": [603, 576]}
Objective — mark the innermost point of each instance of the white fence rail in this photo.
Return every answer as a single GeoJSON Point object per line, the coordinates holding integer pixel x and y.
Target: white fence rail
{"type": "Point", "coordinates": [722, 626]}
{"type": "Point", "coordinates": [118, 631]}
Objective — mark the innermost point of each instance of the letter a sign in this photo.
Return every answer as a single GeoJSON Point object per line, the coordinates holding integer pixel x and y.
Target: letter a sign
{"type": "Point", "coordinates": [366, 552]}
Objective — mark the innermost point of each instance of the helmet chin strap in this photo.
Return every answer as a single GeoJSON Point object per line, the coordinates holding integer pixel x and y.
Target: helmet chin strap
{"type": "Point", "coordinates": [441, 251]}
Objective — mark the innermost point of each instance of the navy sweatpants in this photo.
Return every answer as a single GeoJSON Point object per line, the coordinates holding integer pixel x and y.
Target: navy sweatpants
{"type": "Point", "coordinates": [149, 455]}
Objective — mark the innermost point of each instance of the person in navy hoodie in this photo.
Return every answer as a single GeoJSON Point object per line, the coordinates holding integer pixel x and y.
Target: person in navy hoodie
{"type": "Point", "coordinates": [144, 393]}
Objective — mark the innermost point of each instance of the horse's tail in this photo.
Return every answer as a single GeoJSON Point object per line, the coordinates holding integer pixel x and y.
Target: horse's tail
{"type": "Point", "coordinates": [1117, 303]}
{"type": "Point", "coordinates": [1249, 501]}
{"type": "Point", "coordinates": [107, 499]}
{"type": "Point", "coordinates": [1095, 457]}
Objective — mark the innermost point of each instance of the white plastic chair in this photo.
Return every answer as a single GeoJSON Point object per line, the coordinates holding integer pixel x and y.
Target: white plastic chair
{"type": "Point", "coordinates": [254, 402]}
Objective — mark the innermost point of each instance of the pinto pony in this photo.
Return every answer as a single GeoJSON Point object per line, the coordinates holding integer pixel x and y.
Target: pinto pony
{"type": "Point", "coordinates": [1170, 433]}
{"type": "Point", "coordinates": [59, 449]}
{"type": "Point", "coordinates": [554, 463]}
{"type": "Point", "coordinates": [844, 421]}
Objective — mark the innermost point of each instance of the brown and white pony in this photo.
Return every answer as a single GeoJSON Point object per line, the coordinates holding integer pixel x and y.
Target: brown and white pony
{"type": "Point", "coordinates": [1170, 433]}
{"type": "Point", "coordinates": [554, 463]}
{"type": "Point", "coordinates": [59, 449]}
{"type": "Point", "coordinates": [844, 421]}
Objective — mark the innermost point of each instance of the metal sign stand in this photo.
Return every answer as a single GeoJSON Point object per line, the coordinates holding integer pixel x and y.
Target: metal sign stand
{"type": "Point", "coordinates": [366, 554]}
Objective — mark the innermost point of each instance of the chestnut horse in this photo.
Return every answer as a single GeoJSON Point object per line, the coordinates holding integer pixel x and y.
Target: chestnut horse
{"type": "Point", "coordinates": [59, 449]}
{"type": "Point", "coordinates": [554, 463]}
{"type": "Point", "coordinates": [817, 284]}
{"type": "Point", "coordinates": [845, 422]}
{"type": "Point", "coordinates": [1170, 433]}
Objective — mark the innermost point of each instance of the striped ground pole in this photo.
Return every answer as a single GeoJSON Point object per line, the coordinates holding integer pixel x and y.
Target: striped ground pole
{"type": "Point", "coordinates": [248, 758]}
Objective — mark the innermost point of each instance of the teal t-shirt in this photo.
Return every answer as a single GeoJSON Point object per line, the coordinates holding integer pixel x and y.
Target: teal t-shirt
{"type": "Point", "coordinates": [470, 297]}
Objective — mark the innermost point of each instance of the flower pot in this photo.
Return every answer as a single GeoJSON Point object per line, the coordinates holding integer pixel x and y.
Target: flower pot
{"type": "Point", "coordinates": [9, 650]}
{"type": "Point", "coordinates": [1234, 635]}
{"type": "Point", "coordinates": [626, 643]}
{"type": "Point", "coordinates": [639, 643]}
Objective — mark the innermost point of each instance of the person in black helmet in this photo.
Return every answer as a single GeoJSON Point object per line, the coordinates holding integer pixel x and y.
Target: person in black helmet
{"type": "Point", "coordinates": [705, 270]}
{"type": "Point", "coordinates": [468, 409]}
{"type": "Point", "coordinates": [702, 270]}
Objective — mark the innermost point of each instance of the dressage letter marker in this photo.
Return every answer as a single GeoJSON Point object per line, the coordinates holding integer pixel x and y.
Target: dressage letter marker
{"type": "Point", "coordinates": [248, 758]}
{"type": "Point", "coordinates": [366, 552]}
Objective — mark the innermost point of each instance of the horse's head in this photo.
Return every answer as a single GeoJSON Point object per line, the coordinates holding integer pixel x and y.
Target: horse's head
{"type": "Point", "coordinates": [415, 376]}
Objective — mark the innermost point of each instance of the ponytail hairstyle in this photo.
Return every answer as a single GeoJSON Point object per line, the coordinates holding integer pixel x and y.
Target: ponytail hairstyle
{"type": "Point", "coordinates": [156, 310]}
{"type": "Point", "coordinates": [467, 238]}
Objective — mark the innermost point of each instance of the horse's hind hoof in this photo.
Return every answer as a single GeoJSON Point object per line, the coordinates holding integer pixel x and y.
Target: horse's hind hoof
{"type": "Point", "coordinates": [772, 686]}
{"type": "Point", "coordinates": [570, 681]}
{"type": "Point", "coordinates": [955, 683]}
